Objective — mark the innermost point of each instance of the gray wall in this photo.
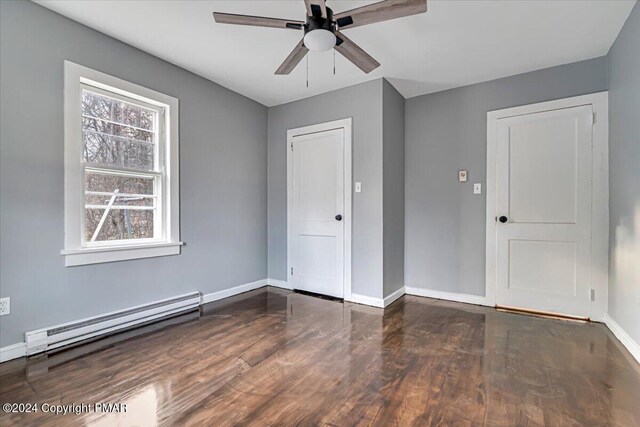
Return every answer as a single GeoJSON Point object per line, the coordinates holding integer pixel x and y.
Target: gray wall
{"type": "Point", "coordinates": [222, 170]}
{"type": "Point", "coordinates": [624, 181]}
{"type": "Point", "coordinates": [225, 182]}
{"type": "Point", "coordinates": [445, 132]}
{"type": "Point", "coordinates": [393, 187]}
{"type": "Point", "coordinates": [363, 103]}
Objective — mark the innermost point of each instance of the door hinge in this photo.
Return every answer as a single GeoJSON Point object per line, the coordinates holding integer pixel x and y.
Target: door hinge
{"type": "Point", "coordinates": [593, 294]}
{"type": "Point", "coordinates": [292, 271]}
{"type": "Point", "coordinates": [292, 146]}
{"type": "Point", "coordinates": [592, 118]}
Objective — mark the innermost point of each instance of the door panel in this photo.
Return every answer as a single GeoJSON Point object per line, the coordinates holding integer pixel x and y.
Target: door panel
{"type": "Point", "coordinates": [542, 156]}
{"type": "Point", "coordinates": [317, 177]}
{"type": "Point", "coordinates": [309, 264]}
{"type": "Point", "coordinates": [317, 243]}
{"type": "Point", "coordinates": [543, 188]}
{"type": "Point", "coordinates": [553, 272]}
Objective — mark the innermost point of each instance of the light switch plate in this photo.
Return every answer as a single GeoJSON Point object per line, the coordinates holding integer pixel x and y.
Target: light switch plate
{"type": "Point", "coordinates": [358, 187]}
{"type": "Point", "coordinates": [5, 306]}
{"type": "Point", "coordinates": [477, 188]}
{"type": "Point", "coordinates": [462, 176]}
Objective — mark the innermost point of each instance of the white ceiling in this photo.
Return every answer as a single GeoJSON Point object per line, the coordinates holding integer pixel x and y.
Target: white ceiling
{"type": "Point", "coordinates": [455, 43]}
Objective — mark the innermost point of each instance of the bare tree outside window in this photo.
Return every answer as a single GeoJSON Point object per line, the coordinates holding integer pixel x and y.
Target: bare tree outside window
{"type": "Point", "coordinates": [118, 137]}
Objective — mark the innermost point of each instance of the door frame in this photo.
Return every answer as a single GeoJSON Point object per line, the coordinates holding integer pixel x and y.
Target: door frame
{"type": "Point", "coordinates": [599, 192]}
{"type": "Point", "coordinates": [346, 125]}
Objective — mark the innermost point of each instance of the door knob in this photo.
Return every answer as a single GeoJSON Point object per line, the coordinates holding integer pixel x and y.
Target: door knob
{"type": "Point", "coordinates": [503, 219]}
{"type": "Point", "coordinates": [339, 217]}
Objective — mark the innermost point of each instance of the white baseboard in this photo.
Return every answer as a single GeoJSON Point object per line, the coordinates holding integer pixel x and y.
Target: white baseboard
{"type": "Point", "coordinates": [449, 296]}
{"type": "Point", "coordinates": [215, 296]}
{"type": "Point", "coordinates": [13, 351]}
{"type": "Point", "coordinates": [279, 283]}
{"type": "Point", "coordinates": [393, 296]}
{"type": "Point", "coordinates": [365, 300]}
{"type": "Point", "coordinates": [375, 302]}
{"type": "Point", "coordinates": [625, 339]}
{"type": "Point", "coordinates": [358, 299]}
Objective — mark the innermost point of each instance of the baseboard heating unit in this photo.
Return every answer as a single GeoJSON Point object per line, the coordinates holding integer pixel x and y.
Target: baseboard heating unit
{"type": "Point", "coordinates": [64, 334]}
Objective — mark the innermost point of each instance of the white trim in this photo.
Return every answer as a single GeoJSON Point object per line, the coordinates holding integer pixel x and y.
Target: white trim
{"type": "Point", "coordinates": [448, 296]}
{"type": "Point", "coordinates": [279, 283]}
{"type": "Point", "coordinates": [119, 253]}
{"type": "Point", "coordinates": [365, 300]}
{"type": "Point", "coordinates": [345, 124]}
{"type": "Point", "coordinates": [376, 302]}
{"type": "Point", "coordinates": [625, 339]}
{"type": "Point", "coordinates": [226, 293]}
{"type": "Point", "coordinates": [600, 194]}
{"type": "Point", "coordinates": [393, 296]}
{"type": "Point", "coordinates": [167, 178]}
{"type": "Point", "coordinates": [13, 351]}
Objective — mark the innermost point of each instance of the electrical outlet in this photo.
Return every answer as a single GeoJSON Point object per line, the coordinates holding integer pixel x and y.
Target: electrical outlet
{"type": "Point", "coordinates": [5, 306]}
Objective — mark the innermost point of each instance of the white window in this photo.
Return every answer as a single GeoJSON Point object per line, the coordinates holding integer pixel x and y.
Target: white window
{"type": "Point", "coordinates": [121, 169]}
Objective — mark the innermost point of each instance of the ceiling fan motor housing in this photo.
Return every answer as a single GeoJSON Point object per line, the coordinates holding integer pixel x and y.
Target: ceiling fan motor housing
{"type": "Point", "coordinates": [317, 22]}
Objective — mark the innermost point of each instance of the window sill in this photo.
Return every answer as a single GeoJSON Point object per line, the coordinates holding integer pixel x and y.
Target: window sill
{"type": "Point", "coordinates": [85, 256]}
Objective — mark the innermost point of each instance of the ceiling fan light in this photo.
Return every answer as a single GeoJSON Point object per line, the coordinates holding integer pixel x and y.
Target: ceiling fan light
{"type": "Point", "coordinates": [319, 40]}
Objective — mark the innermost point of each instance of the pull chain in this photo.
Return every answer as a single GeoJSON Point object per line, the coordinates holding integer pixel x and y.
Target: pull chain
{"type": "Point", "coordinates": [334, 62]}
{"type": "Point", "coordinates": [307, 70]}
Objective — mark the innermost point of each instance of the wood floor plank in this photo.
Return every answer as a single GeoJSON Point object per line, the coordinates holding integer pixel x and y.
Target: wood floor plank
{"type": "Point", "coordinates": [274, 357]}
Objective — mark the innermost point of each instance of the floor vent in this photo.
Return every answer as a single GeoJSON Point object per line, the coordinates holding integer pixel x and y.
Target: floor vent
{"type": "Point", "coordinates": [61, 335]}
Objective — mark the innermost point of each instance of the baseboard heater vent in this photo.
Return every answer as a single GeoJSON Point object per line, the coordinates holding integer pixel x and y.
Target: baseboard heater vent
{"type": "Point", "coordinates": [67, 333]}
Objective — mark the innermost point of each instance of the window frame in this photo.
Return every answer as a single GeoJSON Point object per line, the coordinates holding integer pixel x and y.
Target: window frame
{"type": "Point", "coordinates": [165, 174]}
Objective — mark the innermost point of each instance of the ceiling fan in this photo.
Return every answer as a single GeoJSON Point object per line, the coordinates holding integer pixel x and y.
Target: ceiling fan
{"type": "Point", "coordinates": [322, 28]}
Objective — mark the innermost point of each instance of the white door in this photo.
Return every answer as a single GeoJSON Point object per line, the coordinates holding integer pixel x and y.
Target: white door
{"type": "Point", "coordinates": [316, 241]}
{"type": "Point", "coordinates": [543, 211]}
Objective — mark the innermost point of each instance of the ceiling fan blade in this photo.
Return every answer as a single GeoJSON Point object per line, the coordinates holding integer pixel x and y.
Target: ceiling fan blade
{"type": "Point", "coordinates": [316, 8]}
{"type": "Point", "coordinates": [257, 21]}
{"type": "Point", "coordinates": [293, 59]}
{"type": "Point", "coordinates": [381, 11]}
{"type": "Point", "coordinates": [355, 53]}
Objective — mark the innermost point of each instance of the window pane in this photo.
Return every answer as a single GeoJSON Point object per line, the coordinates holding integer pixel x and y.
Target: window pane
{"type": "Point", "coordinates": [128, 202]}
{"type": "Point", "coordinates": [106, 108]}
{"type": "Point", "coordinates": [119, 224]}
{"type": "Point", "coordinates": [124, 184]}
{"type": "Point", "coordinates": [117, 133]}
{"type": "Point", "coordinates": [100, 149]}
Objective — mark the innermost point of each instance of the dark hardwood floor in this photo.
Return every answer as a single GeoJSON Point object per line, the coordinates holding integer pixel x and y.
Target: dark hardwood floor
{"type": "Point", "coordinates": [273, 357]}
